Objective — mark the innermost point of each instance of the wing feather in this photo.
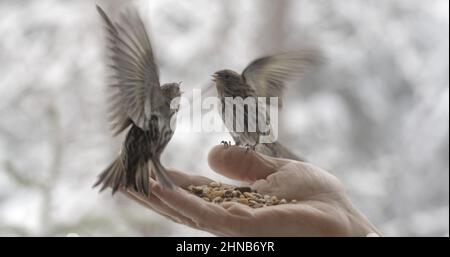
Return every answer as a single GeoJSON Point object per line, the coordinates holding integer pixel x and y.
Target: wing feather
{"type": "Point", "coordinates": [268, 75]}
{"type": "Point", "coordinates": [135, 73]}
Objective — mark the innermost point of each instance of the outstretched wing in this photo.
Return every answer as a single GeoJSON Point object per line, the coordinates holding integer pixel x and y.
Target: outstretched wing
{"type": "Point", "coordinates": [135, 72]}
{"type": "Point", "coordinates": [267, 75]}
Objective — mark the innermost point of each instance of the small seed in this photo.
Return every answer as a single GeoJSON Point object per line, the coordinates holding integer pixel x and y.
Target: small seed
{"type": "Point", "coordinates": [205, 191]}
{"type": "Point", "coordinates": [253, 202]}
{"type": "Point", "coordinates": [243, 189]}
{"type": "Point", "coordinates": [260, 200]}
{"type": "Point", "coordinates": [217, 200]}
{"type": "Point", "coordinates": [243, 201]}
{"type": "Point", "coordinates": [294, 201]}
{"type": "Point", "coordinates": [197, 190]}
{"type": "Point", "coordinates": [228, 194]}
{"type": "Point", "coordinates": [214, 184]}
{"type": "Point", "coordinates": [283, 201]}
{"type": "Point", "coordinates": [236, 193]}
{"type": "Point", "coordinates": [248, 195]}
{"type": "Point", "coordinates": [216, 193]}
{"type": "Point", "coordinates": [227, 187]}
{"type": "Point", "coordinates": [207, 199]}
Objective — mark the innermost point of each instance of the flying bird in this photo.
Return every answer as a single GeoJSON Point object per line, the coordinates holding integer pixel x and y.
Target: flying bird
{"type": "Point", "coordinates": [138, 103]}
{"type": "Point", "coordinates": [263, 77]}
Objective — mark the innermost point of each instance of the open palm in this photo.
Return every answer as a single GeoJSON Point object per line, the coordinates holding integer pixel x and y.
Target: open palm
{"type": "Point", "coordinates": [321, 208]}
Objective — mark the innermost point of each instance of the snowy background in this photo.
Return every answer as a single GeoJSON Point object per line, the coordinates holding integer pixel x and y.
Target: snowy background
{"type": "Point", "coordinates": [376, 114]}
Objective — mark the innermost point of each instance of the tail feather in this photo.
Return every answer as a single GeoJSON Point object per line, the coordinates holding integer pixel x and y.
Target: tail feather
{"type": "Point", "coordinates": [113, 176]}
{"type": "Point", "coordinates": [141, 180]}
{"type": "Point", "coordinates": [161, 174]}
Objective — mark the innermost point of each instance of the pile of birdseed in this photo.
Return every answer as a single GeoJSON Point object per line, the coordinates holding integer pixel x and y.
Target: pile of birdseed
{"type": "Point", "coordinates": [218, 193]}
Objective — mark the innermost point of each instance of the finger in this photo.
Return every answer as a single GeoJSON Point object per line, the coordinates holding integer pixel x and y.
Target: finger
{"type": "Point", "coordinates": [148, 205]}
{"type": "Point", "coordinates": [184, 180]}
{"type": "Point", "coordinates": [156, 205]}
{"type": "Point", "coordinates": [206, 216]}
{"type": "Point", "coordinates": [242, 164]}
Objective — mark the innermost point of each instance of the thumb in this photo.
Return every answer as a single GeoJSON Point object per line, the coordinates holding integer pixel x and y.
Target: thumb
{"type": "Point", "coordinates": [242, 164]}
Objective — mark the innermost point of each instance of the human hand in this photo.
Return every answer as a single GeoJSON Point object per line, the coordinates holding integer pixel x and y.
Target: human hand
{"type": "Point", "coordinates": [322, 207]}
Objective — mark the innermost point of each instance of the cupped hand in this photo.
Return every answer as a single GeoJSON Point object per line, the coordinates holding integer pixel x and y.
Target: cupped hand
{"type": "Point", "coordinates": [322, 207]}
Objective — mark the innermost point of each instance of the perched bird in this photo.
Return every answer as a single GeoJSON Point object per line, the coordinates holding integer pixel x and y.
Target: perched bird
{"type": "Point", "coordinates": [264, 77]}
{"type": "Point", "coordinates": [138, 103]}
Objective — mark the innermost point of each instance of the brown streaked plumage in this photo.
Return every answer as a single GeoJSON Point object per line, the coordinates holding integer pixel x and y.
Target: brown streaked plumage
{"type": "Point", "coordinates": [138, 103]}
{"type": "Point", "coordinates": [264, 77]}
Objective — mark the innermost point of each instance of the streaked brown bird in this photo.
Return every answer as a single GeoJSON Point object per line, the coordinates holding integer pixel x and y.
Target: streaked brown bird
{"type": "Point", "coordinates": [264, 77]}
{"type": "Point", "coordinates": [138, 103]}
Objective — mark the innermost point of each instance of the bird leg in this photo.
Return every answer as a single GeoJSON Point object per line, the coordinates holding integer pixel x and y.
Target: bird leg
{"type": "Point", "coordinates": [226, 143]}
{"type": "Point", "coordinates": [249, 146]}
